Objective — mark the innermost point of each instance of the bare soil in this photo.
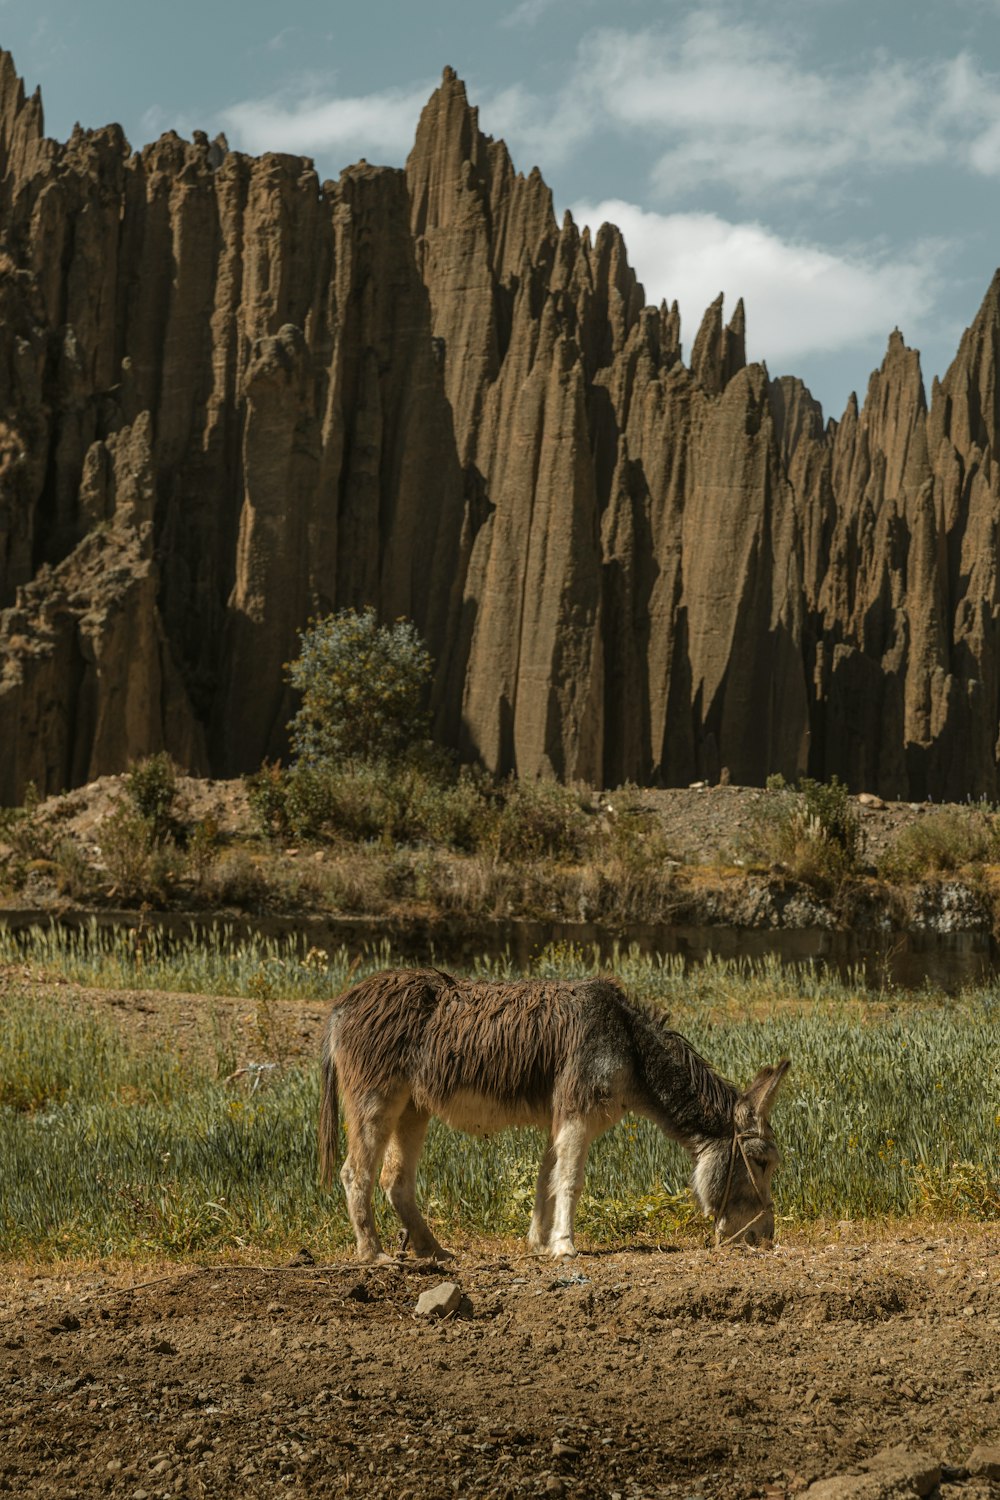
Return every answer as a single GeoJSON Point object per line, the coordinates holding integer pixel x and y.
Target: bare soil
{"type": "Point", "coordinates": [636, 1372]}
{"type": "Point", "coordinates": [693, 1373]}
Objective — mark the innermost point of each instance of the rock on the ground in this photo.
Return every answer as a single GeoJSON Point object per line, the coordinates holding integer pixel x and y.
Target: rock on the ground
{"type": "Point", "coordinates": [439, 1301]}
{"type": "Point", "coordinates": [984, 1461]}
{"type": "Point", "coordinates": [893, 1474]}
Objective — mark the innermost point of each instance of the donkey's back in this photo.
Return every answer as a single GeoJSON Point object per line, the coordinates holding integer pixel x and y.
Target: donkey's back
{"type": "Point", "coordinates": [524, 1049]}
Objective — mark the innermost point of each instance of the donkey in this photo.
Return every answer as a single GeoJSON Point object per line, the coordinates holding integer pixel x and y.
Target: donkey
{"type": "Point", "coordinates": [570, 1058]}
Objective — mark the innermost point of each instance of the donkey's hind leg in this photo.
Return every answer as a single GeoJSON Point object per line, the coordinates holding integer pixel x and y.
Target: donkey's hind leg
{"type": "Point", "coordinates": [369, 1126]}
{"type": "Point", "coordinates": [571, 1141]}
{"type": "Point", "coordinates": [399, 1179]}
{"type": "Point", "coordinates": [541, 1218]}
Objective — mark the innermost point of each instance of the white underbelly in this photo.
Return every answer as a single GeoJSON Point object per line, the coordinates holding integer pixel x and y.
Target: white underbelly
{"type": "Point", "coordinates": [477, 1115]}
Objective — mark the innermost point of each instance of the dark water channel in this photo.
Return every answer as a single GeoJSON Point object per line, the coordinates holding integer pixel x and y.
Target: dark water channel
{"type": "Point", "coordinates": [909, 958]}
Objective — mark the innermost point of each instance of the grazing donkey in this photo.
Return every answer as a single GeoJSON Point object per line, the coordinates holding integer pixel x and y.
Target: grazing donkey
{"type": "Point", "coordinates": [571, 1058]}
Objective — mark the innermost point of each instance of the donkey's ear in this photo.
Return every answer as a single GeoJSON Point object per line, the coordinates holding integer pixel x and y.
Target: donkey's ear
{"type": "Point", "coordinates": [761, 1094]}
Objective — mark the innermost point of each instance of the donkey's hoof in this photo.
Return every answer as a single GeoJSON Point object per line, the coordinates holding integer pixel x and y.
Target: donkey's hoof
{"type": "Point", "coordinates": [563, 1250]}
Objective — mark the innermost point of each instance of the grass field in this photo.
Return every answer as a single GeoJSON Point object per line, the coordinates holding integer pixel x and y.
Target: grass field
{"type": "Point", "coordinates": [109, 1147]}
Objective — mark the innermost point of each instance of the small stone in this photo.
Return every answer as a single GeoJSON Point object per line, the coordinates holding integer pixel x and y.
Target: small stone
{"type": "Point", "coordinates": [564, 1450]}
{"type": "Point", "coordinates": [439, 1301]}
{"type": "Point", "coordinates": [894, 1471]}
{"type": "Point", "coordinates": [984, 1461]}
{"type": "Point", "coordinates": [113, 1465]}
{"type": "Point", "coordinates": [164, 1346]}
{"type": "Point", "coordinates": [554, 1486]}
{"type": "Point", "coordinates": [868, 799]}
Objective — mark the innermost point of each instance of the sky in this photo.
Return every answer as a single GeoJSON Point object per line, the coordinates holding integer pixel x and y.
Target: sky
{"type": "Point", "coordinates": [834, 162]}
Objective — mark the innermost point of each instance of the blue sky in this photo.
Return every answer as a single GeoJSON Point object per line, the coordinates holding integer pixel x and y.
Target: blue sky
{"type": "Point", "coordinates": [836, 163]}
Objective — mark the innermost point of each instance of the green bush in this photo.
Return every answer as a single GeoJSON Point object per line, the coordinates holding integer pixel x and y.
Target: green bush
{"type": "Point", "coordinates": [74, 876]}
{"type": "Point", "coordinates": [812, 832]}
{"type": "Point", "coordinates": [151, 787]}
{"type": "Point", "coordinates": [541, 818]}
{"type": "Point", "coordinates": [20, 829]}
{"type": "Point", "coordinates": [267, 796]}
{"type": "Point", "coordinates": [364, 689]}
{"type": "Point", "coordinates": [396, 803]}
{"type": "Point", "coordinates": [951, 839]}
{"type": "Point", "coordinates": [139, 865]}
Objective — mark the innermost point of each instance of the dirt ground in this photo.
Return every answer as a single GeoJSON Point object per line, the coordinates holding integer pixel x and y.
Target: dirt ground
{"type": "Point", "coordinates": [669, 1372]}
{"type": "Point", "coordinates": [693, 1373]}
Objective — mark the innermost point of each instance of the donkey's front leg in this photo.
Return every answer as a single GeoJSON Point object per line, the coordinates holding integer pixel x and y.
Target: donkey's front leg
{"type": "Point", "coordinates": [399, 1179]}
{"type": "Point", "coordinates": [571, 1144]}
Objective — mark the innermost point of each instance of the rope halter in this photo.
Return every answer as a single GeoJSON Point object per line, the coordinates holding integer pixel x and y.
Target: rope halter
{"type": "Point", "coordinates": [739, 1136]}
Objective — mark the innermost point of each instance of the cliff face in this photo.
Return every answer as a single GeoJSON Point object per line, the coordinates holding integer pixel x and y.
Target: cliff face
{"type": "Point", "coordinates": [232, 397]}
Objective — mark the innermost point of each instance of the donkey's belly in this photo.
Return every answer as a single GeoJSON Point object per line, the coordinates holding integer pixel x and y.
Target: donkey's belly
{"type": "Point", "coordinates": [477, 1115]}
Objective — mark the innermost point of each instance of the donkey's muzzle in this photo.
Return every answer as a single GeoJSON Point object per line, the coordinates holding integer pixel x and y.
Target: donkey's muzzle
{"type": "Point", "coordinates": [758, 1234]}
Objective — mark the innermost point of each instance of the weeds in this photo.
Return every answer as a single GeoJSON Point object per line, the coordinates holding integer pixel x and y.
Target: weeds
{"type": "Point", "coordinates": [138, 865]}
{"type": "Point", "coordinates": [423, 836]}
{"type": "Point", "coordinates": [953, 838]}
{"type": "Point", "coordinates": [151, 787]}
{"type": "Point", "coordinates": [813, 833]}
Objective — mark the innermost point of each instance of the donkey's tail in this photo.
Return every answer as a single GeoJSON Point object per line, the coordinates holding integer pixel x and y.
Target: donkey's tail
{"type": "Point", "coordinates": [328, 1120]}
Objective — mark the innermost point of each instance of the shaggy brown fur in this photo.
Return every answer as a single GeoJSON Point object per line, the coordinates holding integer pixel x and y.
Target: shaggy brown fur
{"type": "Point", "coordinates": [570, 1057]}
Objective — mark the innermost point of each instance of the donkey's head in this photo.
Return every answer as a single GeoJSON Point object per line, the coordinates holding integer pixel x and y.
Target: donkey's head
{"type": "Point", "coordinates": [732, 1175]}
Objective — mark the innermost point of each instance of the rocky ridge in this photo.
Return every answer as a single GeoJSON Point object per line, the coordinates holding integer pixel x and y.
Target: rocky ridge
{"type": "Point", "coordinates": [232, 397]}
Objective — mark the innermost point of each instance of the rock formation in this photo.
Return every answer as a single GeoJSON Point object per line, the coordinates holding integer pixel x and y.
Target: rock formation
{"type": "Point", "coordinates": [232, 397]}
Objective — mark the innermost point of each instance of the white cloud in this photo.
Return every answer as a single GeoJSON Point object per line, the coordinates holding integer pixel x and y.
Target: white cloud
{"type": "Point", "coordinates": [729, 102]}
{"type": "Point", "coordinates": [710, 99]}
{"type": "Point", "coordinates": [155, 120]}
{"type": "Point", "coordinates": [379, 125]}
{"type": "Point", "coordinates": [536, 134]}
{"type": "Point", "coordinates": [278, 41]}
{"type": "Point", "coordinates": [800, 298]}
{"type": "Point", "coordinates": [528, 13]}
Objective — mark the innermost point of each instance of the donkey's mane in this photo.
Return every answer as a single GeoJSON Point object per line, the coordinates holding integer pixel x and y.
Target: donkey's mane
{"type": "Point", "coordinates": [716, 1094]}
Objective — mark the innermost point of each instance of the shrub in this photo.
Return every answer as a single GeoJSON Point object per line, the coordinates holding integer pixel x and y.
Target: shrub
{"type": "Point", "coordinates": [21, 830]}
{"type": "Point", "coordinates": [829, 803]}
{"type": "Point", "coordinates": [140, 867]}
{"type": "Point", "coordinates": [364, 688]}
{"type": "Point", "coordinates": [151, 787]}
{"type": "Point", "coordinates": [202, 847]}
{"type": "Point", "coordinates": [267, 795]}
{"type": "Point", "coordinates": [73, 875]}
{"type": "Point", "coordinates": [539, 818]}
{"type": "Point", "coordinates": [814, 833]}
{"type": "Point", "coordinates": [949, 839]}
{"type": "Point", "coordinates": [416, 800]}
